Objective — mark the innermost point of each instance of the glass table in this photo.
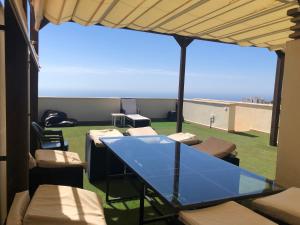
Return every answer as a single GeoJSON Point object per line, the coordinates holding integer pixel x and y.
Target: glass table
{"type": "Point", "coordinates": [183, 176]}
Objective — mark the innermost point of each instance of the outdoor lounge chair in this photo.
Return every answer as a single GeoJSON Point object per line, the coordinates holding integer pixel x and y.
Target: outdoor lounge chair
{"type": "Point", "coordinates": [185, 138]}
{"type": "Point", "coordinates": [283, 206]}
{"type": "Point", "coordinates": [229, 213]}
{"type": "Point", "coordinates": [219, 148]}
{"type": "Point", "coordinates": [95, 153]}
{"type": "Point", "coordinates": [50, 139]}
{"type": "Point", "coordinates": [131, 111]}
{"type": "Point", "coordinates": [52, 204]}
{"type": "Point", "coordinates": [55, 167]}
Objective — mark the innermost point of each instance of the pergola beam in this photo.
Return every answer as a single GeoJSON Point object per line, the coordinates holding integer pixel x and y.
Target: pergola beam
{"type": "Point", "coordinates": [17, 120]}
{"type": "Point", "coordinates": [34, 81]}
{"type": "Point", "coordinates": [277, 98]}
{"type": "Point", "coordinates": [183, 43]}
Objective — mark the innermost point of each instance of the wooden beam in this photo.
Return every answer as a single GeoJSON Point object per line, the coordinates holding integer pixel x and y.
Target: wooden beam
{"type": "Point", "coordinates": [277, 98]}
{"type": "Point", "coordinates": [183, 43]}
{"type": "Point", "coordinates": [34, 82]}
{"type": "Point", "coordinates": [17, 120]}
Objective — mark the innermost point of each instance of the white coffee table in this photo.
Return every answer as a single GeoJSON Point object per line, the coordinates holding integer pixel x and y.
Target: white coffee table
{"type": "Point", "coordinates": [118, 116]}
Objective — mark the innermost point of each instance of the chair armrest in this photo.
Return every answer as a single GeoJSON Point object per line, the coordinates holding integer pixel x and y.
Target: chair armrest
{"type": "Point", "coordinates": [53, 132]}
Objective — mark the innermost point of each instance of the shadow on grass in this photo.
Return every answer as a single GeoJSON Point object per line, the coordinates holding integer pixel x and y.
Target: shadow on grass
{"type": "Point", "coordinates": [244, 134]}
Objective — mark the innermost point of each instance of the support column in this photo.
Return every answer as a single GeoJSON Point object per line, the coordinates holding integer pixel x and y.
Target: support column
{"type": "Point", "coordinates": [17, 120]}
{"type": "Point", "coordinates": [33, 82]}
{"type": "Point", "coordinates": [183, 43]}
{"type": "Point", "coordinates": [277, 98]}
{"type": "Point", "coordinates": [288, 166]}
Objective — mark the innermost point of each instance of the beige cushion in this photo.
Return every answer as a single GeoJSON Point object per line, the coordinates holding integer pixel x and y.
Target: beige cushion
{"type": "Point", "coordinates": [32, 162]}
{"type": "Point", "coordinates": [284, 206]}
{"type": "Point", "coordinates": [141, 131]}
{"type": "Point", "coordinates": [95, 135]}
{"type": "Point", "coordinates": [62, 205]}
{"type": "Point", "coordinates": [229, 213]}
{"type": "Point", "coordinates": [185, 138]}
{"type": "Point", "coordinates": [216, 147]}
{"type": "Point", "coordinates": [136, 117]}
{"type": "Point", "coordinates": [57, 159]}
{"type": "Point", "coordinates": [18, 208]}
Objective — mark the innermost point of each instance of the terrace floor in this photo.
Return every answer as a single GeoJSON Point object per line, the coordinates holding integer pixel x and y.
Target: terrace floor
{"type": "Point", "coordinates": [253, 150]}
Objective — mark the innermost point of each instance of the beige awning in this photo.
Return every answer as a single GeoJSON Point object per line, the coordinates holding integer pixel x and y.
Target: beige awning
{"type": "Point", "coordinates": [261, 23]}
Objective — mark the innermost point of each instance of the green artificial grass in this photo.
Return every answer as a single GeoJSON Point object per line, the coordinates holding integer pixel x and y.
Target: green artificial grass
{"type": "Point", "coordinates": [253, 150]}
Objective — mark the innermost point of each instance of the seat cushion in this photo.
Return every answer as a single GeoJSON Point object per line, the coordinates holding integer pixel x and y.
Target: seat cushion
{"type": "Point", "coordinates": [95, 135]}
{"type": "Point", "coordinates": [284, 206]}
{"type": "Point", "coordinates": [229, 213]}
{"type": "Point", "coordinates": [185, 138]}
{"type": "Point", "coordinates": [54, 145]}
{"type": "Point", "coordinates": [57, 159]}
{"type": "Point", "coordinates": [141, 131]}
{"type": "Point", "coordinates": [63, 205]}
{"type": "Point", "coordinates": [136, 117]}
{"type": "Point", "coordinates": [216, 147]}
{"type": "Point", "coordinates": [18, 208]}
{"type": "Point", "coordinates": [31, 162]}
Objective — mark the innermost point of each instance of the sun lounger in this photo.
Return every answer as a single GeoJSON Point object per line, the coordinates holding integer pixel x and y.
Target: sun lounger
{"type": "Point", "coordinates": [52, 204]}
{"type": "Point", "coordinates": [131, 111]}
{"type": "Point", "coordinates": [55, 167]}
{"type": "Point", "coordinates": [95, 153]}
{"type": "Point", "coordinates": [219, 148]}
{"type": "Point", "coordinates": [229, 213]}
{"type": "Point", "coordinates": [185, 138]}
{"type": "Point", "coordinates": [283, 206]}
{"type": "Point", "coordinates": [141, 131]}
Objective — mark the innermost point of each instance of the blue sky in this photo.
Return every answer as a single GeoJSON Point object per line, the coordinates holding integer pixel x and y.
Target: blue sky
{"type": "Point", "coordinates": [103, 62]}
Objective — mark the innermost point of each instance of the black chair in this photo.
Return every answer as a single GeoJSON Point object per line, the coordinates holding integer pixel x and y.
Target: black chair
{"type": "Point", "coordinates": [50, 139]}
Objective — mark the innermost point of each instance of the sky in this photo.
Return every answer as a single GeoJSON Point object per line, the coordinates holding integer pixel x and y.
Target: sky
{"type": "Point", "coordinates": [104, 62]}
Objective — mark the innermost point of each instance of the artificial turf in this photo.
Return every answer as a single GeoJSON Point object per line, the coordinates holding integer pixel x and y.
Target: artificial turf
{"type": "Point", "coordinates": [253, 150]}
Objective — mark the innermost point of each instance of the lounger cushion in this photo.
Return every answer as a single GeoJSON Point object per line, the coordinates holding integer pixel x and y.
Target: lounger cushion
{"type": "Point", "coordinates": [32, 162]}
{"type": "Point", "coordinates": [229, 213]}
{"type": "Point", "coordinates": [95, 135]}
{"type": "Point", "coordinates": [136, 117]}
{"type": "Point", "coordinates": [185, 138]}
{"type": "Point", "coordinates": [216, 147]}
{"type": "Point", "coordinates": [57, 159]}
{"type": "Point", "coordinates": [18, 208]}
{"type": "Point", "coordinates": [141, 131]}
{"type": "Point", "coordinates": [284, 206]}
{"type": "Point", "coordinates": [63, 205]}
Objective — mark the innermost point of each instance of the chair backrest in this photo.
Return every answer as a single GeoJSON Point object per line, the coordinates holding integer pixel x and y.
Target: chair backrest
{"type": "Point", "coordinates": [129, 105]}
{"type": "Point", "coordinates": [38, 130]}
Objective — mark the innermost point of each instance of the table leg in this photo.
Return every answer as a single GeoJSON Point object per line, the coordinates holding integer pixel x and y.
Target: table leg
{"type": "Point", "coordinates": [142, 199]}
{"type": "Point", "coordinates": [107, 171]}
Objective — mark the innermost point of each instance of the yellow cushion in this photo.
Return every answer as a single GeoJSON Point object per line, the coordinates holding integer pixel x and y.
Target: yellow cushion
{"type": "Point", "coordinates": [141, 131]}
{"type": "Point", "coordinates": [185, 138]}
{"type": "Point", "coordinates": [229, 213]}
{"type": "Point", "coordinates": [62, 205]}
{"type": "Point", "coordinates": [284, 206]}
{"type": "Point", "coordinates": [57, 159]}
{"type": "Point", "coordinates": [32, 162]}
{"type": "Point", "coordinates": [95, 135]}
{"type": "Point", "coordinates": [18, 208]}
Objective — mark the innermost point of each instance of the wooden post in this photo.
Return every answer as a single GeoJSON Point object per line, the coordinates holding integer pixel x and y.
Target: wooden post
{"type": "Point", "coordinates": [277, 98]}
{"type": "Point", "coordinates": [17, 119]}
{"type": "Point", "coordinates": [34, 82]}
{"type": "Point", "coordinates": [183, 43]}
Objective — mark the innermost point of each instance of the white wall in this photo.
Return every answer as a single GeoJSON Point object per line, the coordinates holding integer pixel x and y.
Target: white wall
{"type": "Point", "coordinates": [230, 116]}
{"type": "Point", "coordinates": [200, 111]}
{"type": "Point", "coordinates": [100, 109]}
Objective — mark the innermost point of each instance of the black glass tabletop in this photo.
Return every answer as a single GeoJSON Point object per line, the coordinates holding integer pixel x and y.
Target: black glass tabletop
{"type": "Point", "coordinates": [183, 175]}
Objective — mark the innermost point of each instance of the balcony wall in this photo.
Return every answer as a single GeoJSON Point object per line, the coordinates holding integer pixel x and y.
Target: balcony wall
{"type": "Point", "coordinates": [230, 116]}
{"type": "Point", "coordinates": [100, 109]}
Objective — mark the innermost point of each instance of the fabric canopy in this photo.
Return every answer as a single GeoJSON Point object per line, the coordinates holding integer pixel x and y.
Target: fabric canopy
{"type": "Point", "coordinates": [261, 23]}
